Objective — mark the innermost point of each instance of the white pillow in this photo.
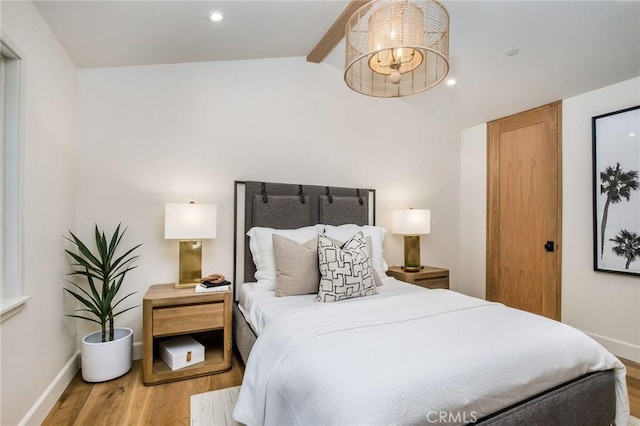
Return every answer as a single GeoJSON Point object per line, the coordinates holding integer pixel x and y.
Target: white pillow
{"type": "Point", "coordinates": [345, 232]}
{"type": "Point", "coordinates": [261, 246]}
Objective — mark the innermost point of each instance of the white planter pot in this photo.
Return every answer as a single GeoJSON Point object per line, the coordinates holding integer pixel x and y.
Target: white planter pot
{"type": "Point", "coordinates": [102, 361]}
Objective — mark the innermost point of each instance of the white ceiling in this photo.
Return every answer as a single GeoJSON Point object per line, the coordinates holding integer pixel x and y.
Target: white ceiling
{"type": "Point", "coordinates": [566, 47]}
{"type": "Point", "coordinates": [118, 33]}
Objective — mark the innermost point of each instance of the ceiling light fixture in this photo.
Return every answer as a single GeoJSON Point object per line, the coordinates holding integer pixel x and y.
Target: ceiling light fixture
{"type": "Point", "coordinates": [451, 82]}
{"type": "Point", "coordinates": [397, 47]}
{"type": "Point", "coordinates": [216, 17]}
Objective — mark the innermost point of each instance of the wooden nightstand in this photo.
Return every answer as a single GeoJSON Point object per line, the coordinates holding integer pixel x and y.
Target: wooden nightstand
{"type": "Point", "coordinates": [428, 276]}
{"type": "Point", "coordinates": [169, 312]}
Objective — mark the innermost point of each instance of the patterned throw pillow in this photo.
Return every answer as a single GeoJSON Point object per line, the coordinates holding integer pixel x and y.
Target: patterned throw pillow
{"type": "Point", "coordinates": [368, 240]}
{"type": "Point", "coordinates": [346, 271]}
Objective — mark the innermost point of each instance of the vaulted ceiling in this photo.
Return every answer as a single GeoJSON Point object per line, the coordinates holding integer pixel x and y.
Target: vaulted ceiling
{"type": "Point", "coordinates": [566, 47]}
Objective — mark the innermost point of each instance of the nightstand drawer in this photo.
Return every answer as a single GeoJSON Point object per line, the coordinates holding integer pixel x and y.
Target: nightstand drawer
{"type": "Point", "coordinates": [186, 319]}
{"type": "Point", "coordinates": [439, 282]}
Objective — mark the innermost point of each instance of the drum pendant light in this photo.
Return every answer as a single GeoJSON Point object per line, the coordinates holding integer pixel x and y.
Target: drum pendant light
{"type": "Point", "coordinates": [397, 47]}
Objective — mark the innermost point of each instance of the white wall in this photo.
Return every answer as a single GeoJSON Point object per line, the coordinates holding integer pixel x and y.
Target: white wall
{"type": "Point", "coordinates": [174, 133]}
{"type": "Point", "coordinates": [39, 341]}
{"type": "Point", "coordinates": [473, 215]}
{"type": "Point", "coordinates": [604, 305]}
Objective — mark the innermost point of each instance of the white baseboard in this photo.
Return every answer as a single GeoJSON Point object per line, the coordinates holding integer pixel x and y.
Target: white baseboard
{"type": "Point", "coordinates": [618, 347]}
{"type": "Point", "coordinates": [50, 396]}
{"type": "Point", "coordinates": [47, 400]}
{"type": "Point", "coordinates": [137, 350]}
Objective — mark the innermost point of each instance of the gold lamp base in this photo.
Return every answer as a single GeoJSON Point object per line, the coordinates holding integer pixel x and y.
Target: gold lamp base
{"type": "Point", "coordinates": [190, 264]}
{"type": "Point", "coordinates": [411, 253]}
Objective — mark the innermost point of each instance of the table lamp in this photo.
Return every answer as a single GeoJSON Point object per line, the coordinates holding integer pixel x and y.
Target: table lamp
{"type": "Point", "coordinates": [411, 223]}
{"type": "Point", "coordinates": [191, 224]}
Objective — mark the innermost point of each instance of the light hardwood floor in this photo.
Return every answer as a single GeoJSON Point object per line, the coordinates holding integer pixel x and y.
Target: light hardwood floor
{"type": "Point", "coordinates": [633, 386]}
{"type": "Point", "coordinates": [127, 401]}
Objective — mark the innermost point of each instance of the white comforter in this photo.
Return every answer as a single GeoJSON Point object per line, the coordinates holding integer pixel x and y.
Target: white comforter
{"type": "Point", "coordinates": [407, 358]}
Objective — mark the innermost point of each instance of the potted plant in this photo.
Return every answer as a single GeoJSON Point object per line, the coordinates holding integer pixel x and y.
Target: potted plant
{"type": "Point", "coordinates": [106, 354]}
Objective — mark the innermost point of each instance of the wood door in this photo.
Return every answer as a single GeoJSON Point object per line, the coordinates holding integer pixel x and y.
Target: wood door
{"type": "Point", "coordinates": [524, 200]}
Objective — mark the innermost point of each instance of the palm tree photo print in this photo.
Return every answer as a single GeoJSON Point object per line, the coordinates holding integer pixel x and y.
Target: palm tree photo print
{"type": "Point", "coordinates": [617, 194]}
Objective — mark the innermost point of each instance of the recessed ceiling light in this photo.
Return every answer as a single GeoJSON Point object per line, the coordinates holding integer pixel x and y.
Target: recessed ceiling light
{"type": "Point", "coordinates": [513, 51]}
{"type": "Point", "coordinates": [632, 134]}
{"type": "Point", "coordinates": [216, 17]}
{"type": "Point", "coordinates": [451, 82]}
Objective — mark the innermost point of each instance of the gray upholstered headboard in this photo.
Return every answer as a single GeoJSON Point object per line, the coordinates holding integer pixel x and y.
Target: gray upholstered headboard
{"type": "Point", "coordinates": [290, 206]}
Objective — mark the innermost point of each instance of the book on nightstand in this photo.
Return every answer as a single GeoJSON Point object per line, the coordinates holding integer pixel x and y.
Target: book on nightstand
{"type": "Point", "coordinates": [202, 289]}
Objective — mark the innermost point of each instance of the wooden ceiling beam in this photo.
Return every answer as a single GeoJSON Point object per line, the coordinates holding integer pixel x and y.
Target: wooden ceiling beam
{"type": "Point", "coordinates": [335, 33]}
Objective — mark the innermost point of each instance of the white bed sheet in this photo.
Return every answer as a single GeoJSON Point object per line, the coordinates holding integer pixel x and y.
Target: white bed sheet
{"type": "Point", "coordinates": [259, 306]}
{"type": "Point", "coordinates": [396, 357]}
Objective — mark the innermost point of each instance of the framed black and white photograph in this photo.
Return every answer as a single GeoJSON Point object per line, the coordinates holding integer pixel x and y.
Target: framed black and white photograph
{"type": "Point", "coordinates": [616, 191]}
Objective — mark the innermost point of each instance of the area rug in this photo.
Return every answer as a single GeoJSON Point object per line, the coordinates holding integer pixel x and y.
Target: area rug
{"type": "Point", "coordinates": [214, 408]}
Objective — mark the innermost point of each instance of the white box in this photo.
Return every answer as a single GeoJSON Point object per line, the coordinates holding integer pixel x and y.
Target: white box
{"type": "Point", "coordinates": [181, 352]}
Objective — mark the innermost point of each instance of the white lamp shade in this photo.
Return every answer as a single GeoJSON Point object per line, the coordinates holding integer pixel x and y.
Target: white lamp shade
{"type": "Point", "coordinates": [189, 221]}
{"type": "Point", "coordinates": [411, 222]}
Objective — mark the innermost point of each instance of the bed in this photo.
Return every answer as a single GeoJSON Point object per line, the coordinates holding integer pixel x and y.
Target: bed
{"type": "Point", "coordinates": [405, 355]}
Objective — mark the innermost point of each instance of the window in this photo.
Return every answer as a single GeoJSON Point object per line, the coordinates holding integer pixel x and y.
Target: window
{"type": "Point", "coordinates": [2, 171]}
{"type": "Point", "coordinates": [11, 294]}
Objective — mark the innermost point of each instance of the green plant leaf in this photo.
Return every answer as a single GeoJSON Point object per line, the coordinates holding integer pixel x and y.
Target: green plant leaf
{"type": "Point", "coordinates": [88, 256]}
{"type": "Point", "coordinates": [82, 262]}
{"type": "Point", "coordinates": [92, 297]}
{"type": "Point", "coordinates": [117, 270]}
{"type": "Point", "coordinates": [89, 304]}
{"type": "Point", "coordinates": [101, 245]}
{"type": "Point", "coordinates": [94, 290]}
{"type": "Point", "coordinates": [114, 242]}
{"type": "Point", "coordinates": [103, 274]}
{"type": "Point", "coordinates": [119, 301]}
{"type": "Point", "coordinates": [84, 273]}
{"type": "Point", "coordinates": [84, 318]}
{"type": "Point", "coordinates": [118, 260]}
{"type": "Point", "coordinates": [125, 310]}
{"type": "Point", "coordinates": [117, 283]}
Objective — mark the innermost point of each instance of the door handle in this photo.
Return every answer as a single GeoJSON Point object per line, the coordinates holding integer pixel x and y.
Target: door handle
{"type": "Point", "coordinates": [549, 246]}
